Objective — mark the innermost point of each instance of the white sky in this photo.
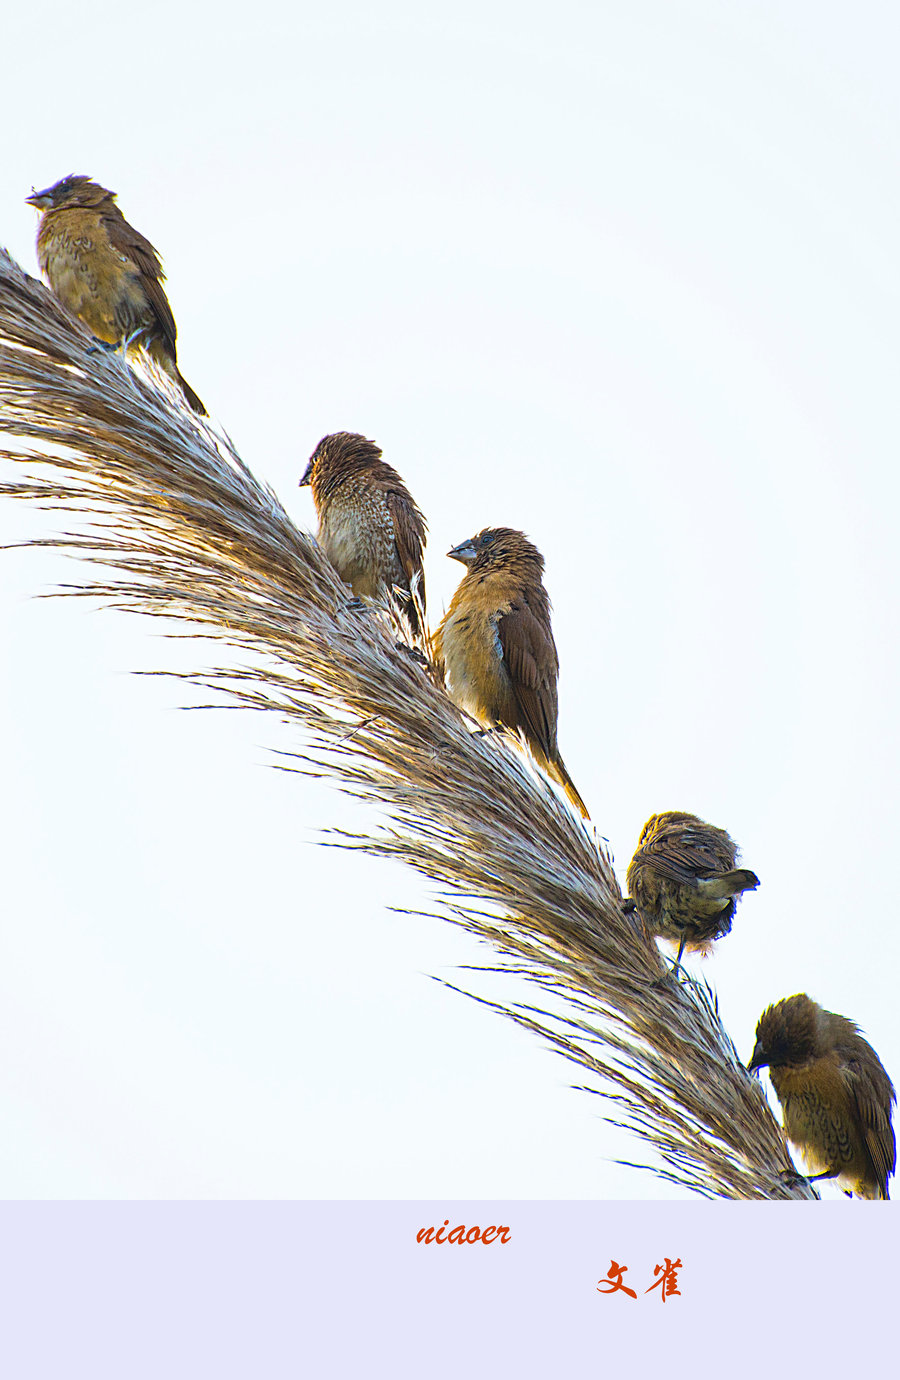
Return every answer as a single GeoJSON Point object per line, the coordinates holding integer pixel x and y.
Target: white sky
{"type": "Point", "coordinates": [623, 275]}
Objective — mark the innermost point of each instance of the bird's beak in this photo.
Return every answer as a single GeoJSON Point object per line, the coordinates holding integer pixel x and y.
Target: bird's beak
{"type": "Point", "coordinates": [39, 199]}
{"type": "Point", "coordinates": [757, 1060]}
{"type": "Point", "coordinates": [465, 552]}
{"type": "Point", "coordinates": [307, 475]}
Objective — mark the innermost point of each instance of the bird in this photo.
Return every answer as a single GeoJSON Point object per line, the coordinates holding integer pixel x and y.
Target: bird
{"type": "Point", "coordinates": [684, 882]}
{"type": "Point", "coordinates": [496, 650]}
{"type": "Point", "coordinates": [105, 272]}
{"type": "Point", "coordinates": [369, 525]}
{"type": "Point", "coordinates": [834, 1092]}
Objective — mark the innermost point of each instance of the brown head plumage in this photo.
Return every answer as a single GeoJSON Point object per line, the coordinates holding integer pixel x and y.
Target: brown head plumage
{"type": "Point", "coordinates": [684, 881]}
{"type": "Point", "coordinates": [105, 272]}
{"type": "Point", "coordinates": [496, 646]}
{"type": "Point", "coordinates": [74, 190]}
{"type": "Point", "coordinates": [505, 550]}
{"type": "Point", "coordinates": [834, 1092]}
{"type": "Point", "coordinates": [369, 526]}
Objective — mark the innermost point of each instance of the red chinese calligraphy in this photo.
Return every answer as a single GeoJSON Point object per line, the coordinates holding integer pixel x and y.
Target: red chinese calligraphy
{"type": "Point", "coordinates": [613, 1281]}
{"type": "Point", "coordinates": [668, 1278]}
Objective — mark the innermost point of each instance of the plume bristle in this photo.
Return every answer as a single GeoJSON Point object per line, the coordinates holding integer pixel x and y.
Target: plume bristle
{"type": "Point", "coordinates": [168, 506]}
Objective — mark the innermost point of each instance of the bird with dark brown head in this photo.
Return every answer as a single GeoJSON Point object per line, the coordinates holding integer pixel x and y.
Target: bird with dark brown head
{"type": "Point", "coordinates": [369, 526]}
{"type": "Point", "coordinates": [496, 649]}
{"type": "Point", "coordinates": [105, 272]}
{"type": "Point", "coordinates": [834, 1092]}
{"type": "Point", "coordinates": [684, 881]}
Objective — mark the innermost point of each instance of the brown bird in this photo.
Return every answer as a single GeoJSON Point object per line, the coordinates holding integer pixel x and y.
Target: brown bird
{"type": "Point", "coordinates": [369, 527]}
{"type": "Point", "coordinates": [105, 272]}
{"type": "Point", "coordinates": [834, 1092]}
{"type": "Point", "coordinates": [684, 881]}
{"type": "Point", "coordinates": [496, 647]}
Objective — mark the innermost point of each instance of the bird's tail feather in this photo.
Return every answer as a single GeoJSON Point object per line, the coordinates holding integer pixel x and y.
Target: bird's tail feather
{"type": "Point", "coordinates": [190, 396]}
{"type": "Point", "coordinates": [728, 883]}
{"type": "Point", "coordinates": [557, 769]}
{"type": "Point", "coordinates": [161, 351]}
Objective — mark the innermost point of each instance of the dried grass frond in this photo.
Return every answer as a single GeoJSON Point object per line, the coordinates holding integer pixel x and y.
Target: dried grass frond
{"type": "Point", "coordinates": [164, 502]}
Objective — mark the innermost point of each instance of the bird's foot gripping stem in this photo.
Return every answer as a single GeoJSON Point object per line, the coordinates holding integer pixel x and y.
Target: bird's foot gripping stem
{"type": "Point", "coordinates": [413, 653]}
{"type": "Point", "coordinates": [792, 1178]}
{"type": "Point", "coordinates": [116, 346]}
{"type": "Point", "coordinates": [673, 974]}
{"type": "Point", "coordinates": [672, 977]}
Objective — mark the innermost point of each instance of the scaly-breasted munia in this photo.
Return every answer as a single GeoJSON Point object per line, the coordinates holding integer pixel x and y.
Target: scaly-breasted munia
{"type": "Point", "coordinates": [834, 1093]}
{"type": "Point", "coordinates": [684, 882]}
{"type": "Point", "coordinates": [369, 526]}
{"type": "Point", "coordinates": [496, 647]}
{"type": "Point", "coordinates": [105, 272]}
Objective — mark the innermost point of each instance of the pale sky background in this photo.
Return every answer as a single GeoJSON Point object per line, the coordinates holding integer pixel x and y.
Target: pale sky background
{"type": "Point", "coordinates": [622, 275]}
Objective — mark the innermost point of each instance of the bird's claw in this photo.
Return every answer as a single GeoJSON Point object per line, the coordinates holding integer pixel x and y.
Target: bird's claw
{"type": "Point", "coordinates": [413, 653]}
{"type": "Point", "coordinates": [791, 1178]}
{"type": "Point", "coordinates": [677, 975]}
{"type": "Point", "coordinates": [445, 750]}
{"type": "Point", "coordinates": [115, 347]}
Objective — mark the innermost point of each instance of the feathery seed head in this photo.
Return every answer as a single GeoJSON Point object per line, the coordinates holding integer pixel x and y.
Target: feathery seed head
{"type": "Point", "coordinates": [189, 533]}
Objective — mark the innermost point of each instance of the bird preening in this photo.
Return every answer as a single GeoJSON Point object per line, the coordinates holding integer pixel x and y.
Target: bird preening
{"type": "Point", "coordinates": [105, 272]}
{"type": "Point", "coordinates": [684, 882]}
{"type": "Point", "coordinates": [496, 648]}
{"type": "Point", "coordinates": [834, 1092]}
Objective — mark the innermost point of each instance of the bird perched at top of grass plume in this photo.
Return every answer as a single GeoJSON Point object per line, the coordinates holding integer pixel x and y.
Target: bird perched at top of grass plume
{"type": "Point", "coordinates": [369, 526]}
{"type": "Point", "coordinates": [834, 1092]}
{"type": "Point", "coordinates": [684, 882]}
{"type": "Point", "coordinates": [105, 272]}
{"type": "Point", "coordinates": [496, 647]}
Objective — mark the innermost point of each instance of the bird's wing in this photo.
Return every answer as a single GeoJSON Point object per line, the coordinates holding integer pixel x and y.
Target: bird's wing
{"type": "Point", "coordinates": [409, 535]}
{"type": "Point", "coordinates": [134, 246]}
{"type": "Point", "coordinates": [871, 1093]}
{"type": "Point", "coordinates": [529, 654]}
{"type": "Point", "coordinates": [680, 854]}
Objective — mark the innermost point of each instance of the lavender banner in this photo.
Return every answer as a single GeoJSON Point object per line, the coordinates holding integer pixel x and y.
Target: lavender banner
{"type": "Point", "coordinates": [133, 1290]}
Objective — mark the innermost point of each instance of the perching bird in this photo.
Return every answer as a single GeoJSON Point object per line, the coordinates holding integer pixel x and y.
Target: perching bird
{"type": "Point", "coordinates": [369, 527]}
{"type": "Point", "coordinates": [496, 646]}
{"type": "Point", "coordinates": [834, 1093]}
{"type": "Point", "coordinates": [684, 882]}
{"type": "Point", "coordinates": [105, 272]}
